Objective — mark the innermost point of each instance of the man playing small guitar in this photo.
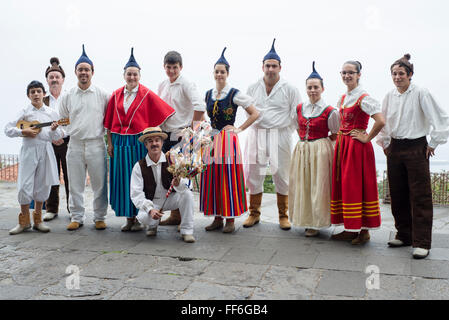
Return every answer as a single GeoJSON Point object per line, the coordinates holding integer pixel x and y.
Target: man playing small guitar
{"type": "Point", "coordinates": [37, 164]}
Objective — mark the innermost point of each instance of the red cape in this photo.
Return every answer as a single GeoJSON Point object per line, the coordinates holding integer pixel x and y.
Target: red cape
{"type": "Point", "coordinates": [147, 110]}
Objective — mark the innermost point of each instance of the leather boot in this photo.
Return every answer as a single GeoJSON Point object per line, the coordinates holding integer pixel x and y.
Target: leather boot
{"type": "Point", "coordinates": [345, 236]}
{"type": "Point", "coordinates": [174, 219]}
{"type": "Point", "coordinates": [38, 224]}
{"type": "Point", "coordinates": [128, 225]}
{"type": "Point", "coordinates": [216, 224]}
{"type": "Point", "coordinates": [255, 201]}
{"type": "Point", "coordinates": [24, 224]}
{"type": "Point", "coordinates": [229, 227]}
{"type": "Point", "coordinates": [282, 201]}
{"type": "Point", "coordinates": [362, 238]}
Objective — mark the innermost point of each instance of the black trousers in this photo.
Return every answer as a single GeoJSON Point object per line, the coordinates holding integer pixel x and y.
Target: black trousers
{"type": "Point", "coordinates": [410, 191]}
{"type": "Point", "coordinates": [169, 144]}
{"type": "Point", "coordinates": [52, 203]}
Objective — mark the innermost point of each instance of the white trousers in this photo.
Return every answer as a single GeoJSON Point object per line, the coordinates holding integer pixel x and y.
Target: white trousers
{"type": "Point", "coordinates": [176, 200]}
{"type": "Point", "coordinates": [36, 173]}
{"type": "Point", "coordinates": [87, 156]}
{"type": "Point", "coordinates": [267, 147]}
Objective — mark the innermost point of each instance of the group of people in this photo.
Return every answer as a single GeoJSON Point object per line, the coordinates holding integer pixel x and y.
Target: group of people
{"type": "Point", "coordinates": [328, 179]}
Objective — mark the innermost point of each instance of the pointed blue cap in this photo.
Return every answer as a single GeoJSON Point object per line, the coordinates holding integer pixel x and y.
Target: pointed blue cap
{"type": "Point", "coordinates": [314, 74]}
{"type": "Point", "coordinates": [84, 58]}
{"type": "Point", "coordinates": [222, 59]}
{"type": "Point", "coordinates": [132, 61]}
{"type": "Point", "coordinates": [272, 54]}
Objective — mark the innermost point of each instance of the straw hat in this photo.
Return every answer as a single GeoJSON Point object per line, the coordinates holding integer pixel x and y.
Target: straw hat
{"type": "Point", "coordinates": [152, 132]}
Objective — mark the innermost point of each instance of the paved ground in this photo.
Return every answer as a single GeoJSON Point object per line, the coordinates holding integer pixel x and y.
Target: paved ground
{"type": "Point", "coordinates": [263, 262]}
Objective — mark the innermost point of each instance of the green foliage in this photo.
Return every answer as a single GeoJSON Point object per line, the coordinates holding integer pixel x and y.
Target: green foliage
{"type": "Point", "coordinates": [268, 185]}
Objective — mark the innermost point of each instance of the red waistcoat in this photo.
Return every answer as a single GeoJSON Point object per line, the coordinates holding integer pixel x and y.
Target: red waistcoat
{"type": "Point", "coordinates": [353, 117]}
{"type": "Point", "coordinates": [313, 128]}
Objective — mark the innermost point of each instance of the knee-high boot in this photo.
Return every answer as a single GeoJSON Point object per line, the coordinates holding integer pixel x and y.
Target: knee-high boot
{"type": "Point", "coordinates": [282, 201]}
{"type": "Point", "coordinates": [255, 201]}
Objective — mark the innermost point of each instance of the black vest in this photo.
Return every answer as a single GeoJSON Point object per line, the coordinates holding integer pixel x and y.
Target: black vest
{"type": "Point", "coordinates": [227, 109]}
{"type": "Point", "coordinates": [149, 182]}
{"type": "Point", "coordinates": [47, 101]}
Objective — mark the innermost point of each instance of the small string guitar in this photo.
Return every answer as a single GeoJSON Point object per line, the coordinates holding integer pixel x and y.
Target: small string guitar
{"type": "Point", "coordinates": [22, 124]}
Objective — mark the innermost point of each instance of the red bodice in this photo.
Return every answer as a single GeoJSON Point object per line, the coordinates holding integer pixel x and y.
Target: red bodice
{"type": "Point", "coordinates": [353, 117]}
{"type": "Point", "coordinates": [313, 128]}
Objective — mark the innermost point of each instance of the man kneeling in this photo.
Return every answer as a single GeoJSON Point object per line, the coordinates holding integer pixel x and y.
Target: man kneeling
{"type": "Point", "coordinates": [150, 181]}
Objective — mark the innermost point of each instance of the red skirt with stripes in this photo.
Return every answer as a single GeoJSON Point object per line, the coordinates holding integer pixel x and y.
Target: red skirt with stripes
{"type": "Point", "coordinates": [355, 200]}
{"type": "Point", "coordinates": [222, 191]}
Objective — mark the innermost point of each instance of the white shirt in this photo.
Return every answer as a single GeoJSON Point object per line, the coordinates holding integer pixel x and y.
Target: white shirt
{"type": "Point", "coordinates": [85, 109]}
{"type": "Point", "coordinates": [30, 113]}
{"type": "Point", "coordinates": [277, 109]}
{"type": "Point", "coordinates": [129, 97]}
{"type": "Point", "coordinates": [369, 105]}
{"type": "Point", "coordinates": [240, 99]}
{"type": "Point", "coordinates": [411, 115]}
{"type": "Point", "coordinates": [137, 194]}
{"type": "Point", "coordinates": [313, 110]}
{"type": "Point", "coordinates": [53, 103]}
{"type": "Point", "coordinates": [182, 96]}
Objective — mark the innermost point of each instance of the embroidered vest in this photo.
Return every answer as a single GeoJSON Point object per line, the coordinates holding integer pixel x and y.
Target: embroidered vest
{"type": "Point", "coordinates": [225, 111]}
{"type": "Point", "coordinates": [149, 182]}
{"type": "Point", "coordinates": [313, 128]}
{"type": "Point", "coordinates": [353, 117]}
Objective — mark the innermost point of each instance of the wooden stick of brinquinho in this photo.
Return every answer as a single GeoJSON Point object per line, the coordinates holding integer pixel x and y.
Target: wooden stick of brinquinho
{"type": "Point", "coordinates": [166, 196]}
{"type": "Point", "coordinates": [192, 173]}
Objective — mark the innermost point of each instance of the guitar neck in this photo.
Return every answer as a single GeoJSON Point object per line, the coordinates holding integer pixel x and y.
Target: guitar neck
{"type": "Point", "coordinates": [41, 125]}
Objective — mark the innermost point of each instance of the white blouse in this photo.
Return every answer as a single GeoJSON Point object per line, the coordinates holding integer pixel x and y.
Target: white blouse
{"type": "Point", "coordinates": [310, 110]}
{"type": "Point", "coordinates": [240, 99]}
{"type": "Point", "coordinates": [369, 105]}
{"type": "Point", "coordinates": [128, 97]}
{"type": "Point", "coordinates": [411, 115]}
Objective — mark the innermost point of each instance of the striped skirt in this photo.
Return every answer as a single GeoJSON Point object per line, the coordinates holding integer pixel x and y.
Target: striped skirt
{"type": "Point", "coordinates": [222, 190]}
{"type": "Point", "coordinates": [355, 201]}
{"type": "Point", "coordinates": [127, 151]}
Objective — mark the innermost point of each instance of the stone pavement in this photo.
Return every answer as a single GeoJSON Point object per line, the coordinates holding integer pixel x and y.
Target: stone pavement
{"type": "Point", "coordinates": [263, 262]}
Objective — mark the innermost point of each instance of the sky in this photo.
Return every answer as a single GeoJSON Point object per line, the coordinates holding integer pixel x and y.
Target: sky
{"type": "Point", "coordinates": [376, 33]}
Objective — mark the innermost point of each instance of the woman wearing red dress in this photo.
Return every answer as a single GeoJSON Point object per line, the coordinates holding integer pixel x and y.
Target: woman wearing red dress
{"type": "Point", "coordinates": [355, 200]}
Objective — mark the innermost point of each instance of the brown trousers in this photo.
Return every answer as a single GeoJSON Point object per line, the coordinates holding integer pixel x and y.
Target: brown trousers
{"type": "Point", "coordinates": [410, 191]}
{"type": "Point", "coordinates": [52, 203]}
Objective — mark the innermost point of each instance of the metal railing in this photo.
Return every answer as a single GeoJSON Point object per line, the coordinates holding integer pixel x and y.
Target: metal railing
{"type": "Point", "coordinates": [439, 183]}
{"type": "Point", "coordinates": [9, 165]}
